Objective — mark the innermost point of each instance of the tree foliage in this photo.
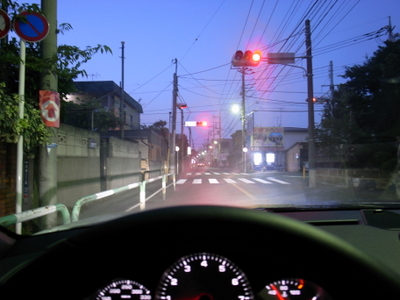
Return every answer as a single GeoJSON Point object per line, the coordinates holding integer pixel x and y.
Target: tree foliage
{"type": "Point", "coordinates": [364, 112]}
{"type": "Point", "coordinates": [66, 64]}
{"type": "Point", "coordinates": [368, 103]}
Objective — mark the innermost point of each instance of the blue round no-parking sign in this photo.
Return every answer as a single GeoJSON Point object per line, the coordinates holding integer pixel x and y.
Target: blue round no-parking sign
{"type": "Point", "coordinates": [31, 26]}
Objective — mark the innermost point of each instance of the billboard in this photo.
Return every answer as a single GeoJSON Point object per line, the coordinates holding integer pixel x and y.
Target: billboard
{"type": "Point", "coordinates": [267, 139]}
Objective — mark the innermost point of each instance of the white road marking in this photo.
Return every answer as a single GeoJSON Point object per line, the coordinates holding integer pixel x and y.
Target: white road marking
{"type": "Point", "coordinates": [181, 181]}
{"type": "Point", "coordinates": [277, 180]}
{"type": "Point", "coordinates": [262, 180]}
{"type": "Point", "coordinates": [228, 180]}
{"type": "Point", "coordinates": [246, 180]}
{"type": "Point", "coordinates": [213, 180]}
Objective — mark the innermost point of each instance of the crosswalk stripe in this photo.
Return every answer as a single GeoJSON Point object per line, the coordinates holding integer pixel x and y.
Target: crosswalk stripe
{"type": "Point", "coordinates": [196, 181]}
{"type": "Point", "coordinates": [228, 180]}
{"type": "Point", "coordinates": [246, 180]}
{"type": "Point", "coordinates": [262, 180]}
{"type": "Point", "coordinates": [207, 173]}
{"type": "Point", "coordinates": [215, 173]}
{"type": "Point", "coordinates": [197, 174]}
{"type": "Point", "coordinates": [213, 180]}
{"type": "Point", "coordinates": [181, 181]}
{"type": "Point", "coordinates": [188, 174]}
{"type": "Point", "coordinates": [277, 180]}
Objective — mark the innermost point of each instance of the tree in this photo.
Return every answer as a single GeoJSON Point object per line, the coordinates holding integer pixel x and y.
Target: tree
{"type": "Point", "coordinates": [66, 64]}
{"type": "Point", "coordinates": [364, 112]}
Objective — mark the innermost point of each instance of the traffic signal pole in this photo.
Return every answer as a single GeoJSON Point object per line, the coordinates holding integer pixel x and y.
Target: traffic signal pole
{"type": "Point", "coordinates": [243, 71]}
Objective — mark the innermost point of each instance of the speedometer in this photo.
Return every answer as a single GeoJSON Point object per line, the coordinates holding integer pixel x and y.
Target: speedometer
{"type": "Point", "coordinates": [123, 289]}
{"type": "Point", "coordinates": [204, 276]}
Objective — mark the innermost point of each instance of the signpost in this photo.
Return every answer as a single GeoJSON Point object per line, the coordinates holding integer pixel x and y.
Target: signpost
{"type": "Point", "coordinates": [30, 26]}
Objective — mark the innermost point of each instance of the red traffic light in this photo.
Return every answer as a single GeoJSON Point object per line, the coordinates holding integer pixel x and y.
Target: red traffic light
{"type": "Point", "coordinates": [203, 123]}
{"type": "Point", "coordinates": [246, 59]}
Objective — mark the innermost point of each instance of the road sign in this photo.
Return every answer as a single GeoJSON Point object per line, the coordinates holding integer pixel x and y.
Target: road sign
{"type": "Point", "coordinates": [49, 104]}
{"type": "Point", "coordinates": [31, 26]}
{"type": "Point", "coordinates": [5, 24]}
{"type": "Point", "coordinates": [280, 58]}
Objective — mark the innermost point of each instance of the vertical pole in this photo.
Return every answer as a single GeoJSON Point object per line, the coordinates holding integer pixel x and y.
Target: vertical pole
{"type": "Point", "coordinates": [142, 195]}
{"type": "Point", "coordinates": [164, 186]}
{"type": "Point", "coordinates": [48, 155]}
{"type": "Point", "coordinates": [312, 174]}
{"type": "Point", "coordinates": [243, 121]}
{"type": "Point", "coordinates": [172, 167]}
{"type": "Point", "coordinates": [182, 144]}
{"type": "Point", "coordinates": [20, 145]}
{"type": "Point", "coordinates": [122, 101]}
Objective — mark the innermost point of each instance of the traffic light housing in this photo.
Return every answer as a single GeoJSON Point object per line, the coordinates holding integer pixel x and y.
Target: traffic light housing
{"type": "Point", "coordinates": [246, 59]}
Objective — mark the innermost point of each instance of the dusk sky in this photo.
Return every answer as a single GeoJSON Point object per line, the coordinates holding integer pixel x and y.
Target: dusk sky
{"type": "Point", "coordinates": [204, 34]}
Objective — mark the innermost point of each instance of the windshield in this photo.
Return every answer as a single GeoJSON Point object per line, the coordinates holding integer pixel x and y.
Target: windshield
{"type": "Point", "coordinates": [116, 108]}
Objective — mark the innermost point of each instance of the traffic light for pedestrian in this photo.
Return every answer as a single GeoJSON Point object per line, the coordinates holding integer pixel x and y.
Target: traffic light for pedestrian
{"type": "Point", "coordinates": [246, 59]}
{"type": "Point", "coordinates": [203, 123]}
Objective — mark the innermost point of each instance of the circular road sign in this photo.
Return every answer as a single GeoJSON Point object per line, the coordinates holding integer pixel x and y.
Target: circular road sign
{"type": "Point", "coordinates": [5, 24]}
{"type": "Point", "coordinates": [31, 26]}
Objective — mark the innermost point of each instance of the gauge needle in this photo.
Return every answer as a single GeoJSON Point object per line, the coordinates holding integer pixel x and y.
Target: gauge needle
{"type": "Point", "coordinates": [280, 297]}
{"type": "Point", "coordinates": [201, 297]}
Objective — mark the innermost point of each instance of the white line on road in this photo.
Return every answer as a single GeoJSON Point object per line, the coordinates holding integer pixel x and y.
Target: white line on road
{"type": "Point", "coordinates": [277, 180]}
{"type": "Point", "coordinates": [246, 180]}
{"type": "Point", "coordinates": [181, 181]}
{"type": "Point", "coordinates": [196, 181]}
{"type": "Point", "coordinates": [228, 180]}
{"type": "Point", "coordinates": [213, 181]}
{"type": "Point", "coordinates": [262, 180]}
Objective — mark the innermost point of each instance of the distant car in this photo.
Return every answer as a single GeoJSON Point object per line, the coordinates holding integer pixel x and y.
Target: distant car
{"type": "Point", "coordinates": [201, 164]}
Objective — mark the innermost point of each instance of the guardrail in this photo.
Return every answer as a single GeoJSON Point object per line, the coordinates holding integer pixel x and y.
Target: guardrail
{"type": "Point", "coordinates": [36, 213]}
{"type": "Point", "coordinates": [68, 218]}
{"type": "Point", "coordinates": [142, 194]}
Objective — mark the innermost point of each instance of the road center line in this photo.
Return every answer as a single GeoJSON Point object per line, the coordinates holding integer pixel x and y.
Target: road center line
{"type": "Point", "coordinates": [245, 192]}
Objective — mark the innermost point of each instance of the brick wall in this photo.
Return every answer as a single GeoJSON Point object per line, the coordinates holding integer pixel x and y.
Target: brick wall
{"type": "Point", "coordinates": [8, 154]}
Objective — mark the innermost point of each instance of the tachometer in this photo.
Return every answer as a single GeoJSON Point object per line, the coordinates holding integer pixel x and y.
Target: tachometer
{"type": "Point", "coordinates": [123, 289]}
{"type": "Point", "coordinates": [204, 276]}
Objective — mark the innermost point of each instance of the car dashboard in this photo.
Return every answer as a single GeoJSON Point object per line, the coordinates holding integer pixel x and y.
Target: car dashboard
{"type": "Point", "coordinates": [212, 252]}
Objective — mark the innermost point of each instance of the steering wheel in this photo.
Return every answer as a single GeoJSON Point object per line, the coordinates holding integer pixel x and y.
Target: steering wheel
{"type": "Point", "coordinates": [266, 246]}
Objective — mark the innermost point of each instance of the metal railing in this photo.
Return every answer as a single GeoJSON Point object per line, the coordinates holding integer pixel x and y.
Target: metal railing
{"type": "Point", "coordinates": [36, 213]}
{"type": "Point", "coordinates": [74, 216]}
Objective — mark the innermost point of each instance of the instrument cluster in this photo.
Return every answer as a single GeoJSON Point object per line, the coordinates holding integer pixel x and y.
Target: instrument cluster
{"type": "Point", "coordinates": [206, 276]}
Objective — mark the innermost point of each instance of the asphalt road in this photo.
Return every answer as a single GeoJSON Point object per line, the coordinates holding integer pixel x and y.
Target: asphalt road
{"type": "Point", "coordinates": [206, 186]}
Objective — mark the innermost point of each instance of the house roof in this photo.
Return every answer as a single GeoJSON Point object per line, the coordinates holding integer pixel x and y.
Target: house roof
{"type": "Point", "coordinates": [102, 88]}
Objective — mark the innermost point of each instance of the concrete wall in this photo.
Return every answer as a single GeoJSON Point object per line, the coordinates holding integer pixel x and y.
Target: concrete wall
{"type": "Point", "coordinates": [87, 165]}
{"type": "Point", "coordinates": [78, 164]}
{"type": "Point", "coordinates": [121, 163]}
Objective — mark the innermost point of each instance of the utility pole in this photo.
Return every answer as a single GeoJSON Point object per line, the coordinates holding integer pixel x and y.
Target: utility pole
{"type": "Point", "coordinates": [312, 173]}
{"type": "Point", "coordinates": [48, 154]}
{"type": "Point", "coordinates": [172, 152]}
{"type": "Point", "coordinates": [122, 101]}
{"type": "Point", "coordinates": [243, 112]}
